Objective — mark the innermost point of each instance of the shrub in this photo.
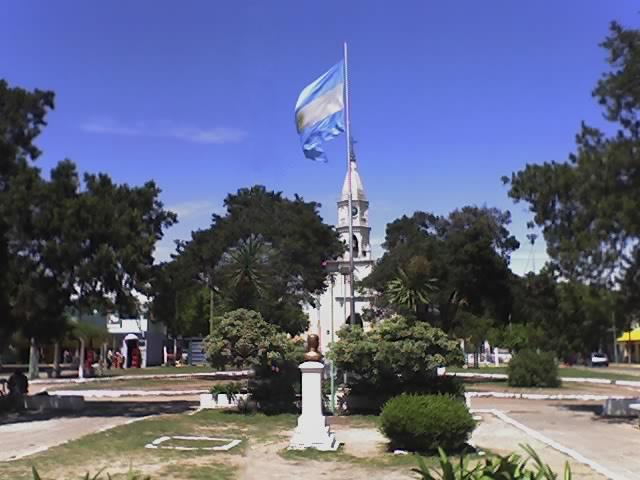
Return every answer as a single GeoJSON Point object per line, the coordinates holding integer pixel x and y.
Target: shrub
{"type": "Point", "coordinates": [426, 422]}
{"type": "Point", "coordinates": [531, 369]}
{"type": "Point", "coordinates": [231, 389]}
{"type": "Point", "coordinates": [242, 339]}
{"type": "Point", "coordinates": [511, 467]}
{"type": "Point", "coordinates": [397, 356]}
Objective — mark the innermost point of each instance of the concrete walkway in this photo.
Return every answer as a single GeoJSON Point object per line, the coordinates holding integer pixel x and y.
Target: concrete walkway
{"type": "Point", "coordinates": [612, 443]}
{"type": "Point", "coordinates": [19, 440]}
{"type": "Point", "coordinates": [28, 433]}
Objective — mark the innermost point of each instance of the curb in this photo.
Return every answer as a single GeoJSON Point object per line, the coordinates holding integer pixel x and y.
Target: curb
{"type": "Point", "coordinates": [552, 443]}
{"type": "Point", "coordinates": [542, 396]}
{"type": "Point", "coordinates": [125, 393]}
{"type": "Point", "coordinates": [504, 376]}
{"type": "Point", "coordinates": [234, 374]}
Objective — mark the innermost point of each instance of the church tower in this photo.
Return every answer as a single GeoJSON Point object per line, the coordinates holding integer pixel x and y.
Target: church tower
{"type": "Point", "coordinates": [332, 309]}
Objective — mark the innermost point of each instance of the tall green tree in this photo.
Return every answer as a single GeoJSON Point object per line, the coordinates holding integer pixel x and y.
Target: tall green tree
{"type": "Point", "coordinates": [266, 252]}
{"type": "Point", "coordinates": [468, 253]}
{"type": "Point", "coordinates": [22, 117]}
{"type": "Point", "coordinates": [588, 206]}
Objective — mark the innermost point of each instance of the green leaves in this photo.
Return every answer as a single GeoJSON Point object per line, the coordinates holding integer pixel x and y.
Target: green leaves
{"type": "Point", "coordinates": [242, 339]}
{"type": "Point", "coordinates": [467, 252]}
{"type": "Point", "coordinates": [413, 288]}
{"type": "Point", "coordinates": [396, 354]}
{"type": "Point", "coordinates": [587, 206]}
{"type": "Point", "coordinates": [265, 253]}
{"type": "Point", "coordinates": [494, 467]}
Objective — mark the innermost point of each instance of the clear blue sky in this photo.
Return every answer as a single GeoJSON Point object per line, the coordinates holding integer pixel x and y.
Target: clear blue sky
{"type": "Point", "coordinates": [446, 96]}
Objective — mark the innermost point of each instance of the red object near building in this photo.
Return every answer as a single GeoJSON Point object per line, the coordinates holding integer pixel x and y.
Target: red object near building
{"type": "Point", "coordinates": [135, 358]}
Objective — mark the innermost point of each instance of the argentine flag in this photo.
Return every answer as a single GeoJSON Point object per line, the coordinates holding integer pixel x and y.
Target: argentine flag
{"type": "Point", "coordinates": [320, 112]}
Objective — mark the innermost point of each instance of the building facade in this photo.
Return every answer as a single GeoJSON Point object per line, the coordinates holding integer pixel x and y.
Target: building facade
{"type": "Point", "coordinates": [332, 310]}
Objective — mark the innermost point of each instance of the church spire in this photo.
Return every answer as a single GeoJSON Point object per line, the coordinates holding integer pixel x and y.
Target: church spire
{"type": "Point", "coordinates": [357, 188]}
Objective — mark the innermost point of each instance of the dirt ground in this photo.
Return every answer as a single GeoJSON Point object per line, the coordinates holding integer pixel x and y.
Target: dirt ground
{"type": "Point", "coordinates": [611, 443]}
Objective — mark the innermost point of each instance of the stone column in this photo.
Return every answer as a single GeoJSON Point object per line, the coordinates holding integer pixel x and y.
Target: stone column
{"type": "Point", "coordinates": [312, 430]}
{"type": "Point", "coordinates": [81, 366]}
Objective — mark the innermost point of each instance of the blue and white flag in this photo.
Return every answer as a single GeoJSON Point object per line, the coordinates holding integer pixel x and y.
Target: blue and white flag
{"type": "Point", "coordinates": [320, 112]}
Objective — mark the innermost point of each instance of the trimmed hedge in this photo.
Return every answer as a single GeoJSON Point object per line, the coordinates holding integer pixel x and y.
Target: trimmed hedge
{"type": "Point", "coordinates": [531, 369]}
{"type": "Point", "coordinates": [424, 423]}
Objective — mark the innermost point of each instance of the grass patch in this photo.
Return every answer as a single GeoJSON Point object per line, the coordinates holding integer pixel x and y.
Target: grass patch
{"type": "Point", "coordinates": [160, 370]}
{"type": "Point", "coordinates": [143, 384]}
{"type": "Point", "coordinates": [116, 449]}
{"type": "Point", "coordinates": [569, 372]}
{"type": "Point", "coordinates": [198, 472]}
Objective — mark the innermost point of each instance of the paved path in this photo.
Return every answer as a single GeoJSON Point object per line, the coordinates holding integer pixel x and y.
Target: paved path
{"type": "Point", "coordinates": [612, 443]}
{"type": "Point", "coordinates": [18, 440]}
{"type": "Point", "coordinates": [26, 434]}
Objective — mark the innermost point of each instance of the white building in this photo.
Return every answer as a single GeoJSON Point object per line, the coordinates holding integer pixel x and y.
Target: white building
{"type": "Point", "coordinates": [332, 308]}
{"type": "Point", "coordinates": [129, 333]}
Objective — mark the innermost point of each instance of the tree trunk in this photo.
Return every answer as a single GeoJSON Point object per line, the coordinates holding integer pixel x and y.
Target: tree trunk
{"type": "Point", "coordinates": [81, 365]}
{"type": "Point", "coordinates": [34, 358]}
{"type": "Point", "coordinates": [56, 359]}
{"type": "Point", "coordinates": [210, 310]}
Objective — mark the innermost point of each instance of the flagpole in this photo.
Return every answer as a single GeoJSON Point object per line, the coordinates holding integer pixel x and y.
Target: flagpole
{"type": "Point", "coordinates": [347, 122]}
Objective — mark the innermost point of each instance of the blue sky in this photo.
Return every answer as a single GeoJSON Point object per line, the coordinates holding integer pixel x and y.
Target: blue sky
{"type": "Point", "coordinates": [446, 96]}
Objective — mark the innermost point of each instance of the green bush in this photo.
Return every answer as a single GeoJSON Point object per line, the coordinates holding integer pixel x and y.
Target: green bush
{"type": "Point", "coordinates": [494, 467]}
{"type": "Point", "coordinates": [425, 423]}
{"type": "Point", "coordinates": [397, 356]}
{"type": "Point", "coordinates": [531, 369]}
{"type": "Point", "coordinates": [230, 389]}
{"type": "Point", "coordinates": [242, 339]}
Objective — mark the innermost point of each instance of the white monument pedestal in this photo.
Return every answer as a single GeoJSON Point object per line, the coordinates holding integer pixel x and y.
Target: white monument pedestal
{"type": "Point", "coordinates": [312, 430]}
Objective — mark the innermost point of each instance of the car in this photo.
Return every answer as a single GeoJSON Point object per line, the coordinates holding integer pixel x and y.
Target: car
{"type": "Point", "coordinates": [599, 359]}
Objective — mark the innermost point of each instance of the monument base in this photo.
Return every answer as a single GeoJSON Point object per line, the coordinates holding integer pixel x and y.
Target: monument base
{"type": "Point", "coordinates": [312, 430]}
{"type": "Point", "coordinates": [313, 435]}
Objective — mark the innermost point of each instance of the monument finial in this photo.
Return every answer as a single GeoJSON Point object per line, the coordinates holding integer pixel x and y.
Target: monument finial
{"type": "Point", "coordinates": [313, 343]}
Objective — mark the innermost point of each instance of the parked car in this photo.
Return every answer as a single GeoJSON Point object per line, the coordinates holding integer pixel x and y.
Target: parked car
{"type": "Point", "coordinates": [599, 359]}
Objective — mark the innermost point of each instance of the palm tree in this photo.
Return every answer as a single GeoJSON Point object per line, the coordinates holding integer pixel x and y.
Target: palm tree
{"type": "Point", "coordinates": [411, 290]}
{"type": "Point", "coordinates": [246, 269]}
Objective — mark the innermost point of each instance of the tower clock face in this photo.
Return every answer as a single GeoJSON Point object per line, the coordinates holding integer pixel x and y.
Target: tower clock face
{"type": "Point", "coordinates": [354, 211]}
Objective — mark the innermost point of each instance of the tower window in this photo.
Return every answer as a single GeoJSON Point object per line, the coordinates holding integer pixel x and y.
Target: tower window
{"type": "Point", "coordinates": [356, 247]}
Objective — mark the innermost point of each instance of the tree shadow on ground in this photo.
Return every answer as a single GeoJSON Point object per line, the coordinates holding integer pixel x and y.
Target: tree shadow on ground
{"type": "Point", "coordinates": [581, 407]}
{"type": "Point", "coordinates": [103, 409]}
{"type": "Point", "coordinates": [597, 414]}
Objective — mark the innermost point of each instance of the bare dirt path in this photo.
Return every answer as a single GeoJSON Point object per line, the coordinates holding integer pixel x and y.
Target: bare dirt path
{"type": "Point", "coordinates": [264, 462]}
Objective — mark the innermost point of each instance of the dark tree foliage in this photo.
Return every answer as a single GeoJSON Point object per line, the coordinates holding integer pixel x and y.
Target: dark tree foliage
{"type": "Point", "coordinates": [66, 242]}
{"type": "Point", "coordinates": [22, 116]}
{"type": "Point", "coordinates": [273, 246]}
{"type": "Point", "coordinates": [81, 245]}
{"type": "Point", "coordinates": [468, 253]}
{"type": "Point", "coordinates": [588, 206]}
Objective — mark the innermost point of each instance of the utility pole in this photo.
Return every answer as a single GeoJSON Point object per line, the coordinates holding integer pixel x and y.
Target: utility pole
{"type": "Point", "coordinates": [615, 336]}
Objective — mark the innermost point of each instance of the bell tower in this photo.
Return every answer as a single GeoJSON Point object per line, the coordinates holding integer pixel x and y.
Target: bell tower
{"type": "Point", "coordinates": [359, 213]}
{"type": "Point", "coordinates": [331, 309]}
